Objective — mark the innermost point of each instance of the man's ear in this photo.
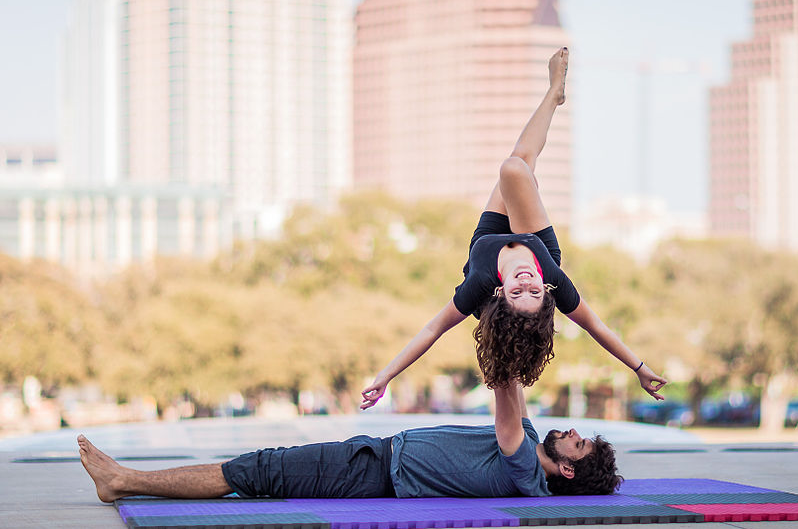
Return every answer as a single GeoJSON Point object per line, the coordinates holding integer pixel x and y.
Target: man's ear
{"type": "Point", "coordinates": [566, 470]}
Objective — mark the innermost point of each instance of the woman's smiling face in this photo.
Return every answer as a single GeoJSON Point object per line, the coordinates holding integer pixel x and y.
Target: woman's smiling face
{"type": "Point", "coordinates": [523, 288]}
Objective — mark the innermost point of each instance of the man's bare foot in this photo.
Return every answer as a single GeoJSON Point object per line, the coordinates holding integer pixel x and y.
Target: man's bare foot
{"type": "Point", "coordinates": [106, 473]}
{"type": "Point", "coordinates": [558, 68]}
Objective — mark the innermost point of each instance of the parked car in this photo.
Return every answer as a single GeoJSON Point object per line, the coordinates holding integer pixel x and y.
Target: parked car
{"type": "Point", "coordinates": [668, 412]}
{"type": "Point", "coordinates": [735, 409]}
{"type": "Point", "coordinates": [792, 414]}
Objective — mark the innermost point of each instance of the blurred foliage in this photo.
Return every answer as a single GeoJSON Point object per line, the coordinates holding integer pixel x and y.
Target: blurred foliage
{"type": "Point", "coordinates": [342, 291]}
{"type": "Point", "coordinates": [47, 326]}
{"type": "Point", "coordinates": [324, 306]}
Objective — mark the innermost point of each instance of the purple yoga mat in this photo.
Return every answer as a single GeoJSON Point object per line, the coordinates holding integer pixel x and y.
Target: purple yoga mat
{"type": "Point", "coordinates": [684, 486]}
{"type": "Point", "coordinates": [382, 508]}
{"type": "Point", "coordinates": [429, 513]}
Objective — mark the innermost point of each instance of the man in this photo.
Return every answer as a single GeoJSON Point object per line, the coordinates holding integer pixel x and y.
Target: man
{"type": "Point", "coordinates": [483, 461]}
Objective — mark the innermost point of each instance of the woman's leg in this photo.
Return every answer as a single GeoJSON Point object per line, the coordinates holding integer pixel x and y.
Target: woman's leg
{"type": "Point", "coordinates": [516, 194]}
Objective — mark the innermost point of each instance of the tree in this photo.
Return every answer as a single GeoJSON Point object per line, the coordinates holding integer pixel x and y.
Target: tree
{"type": "Point", "coordinates": [48, 328]}
{"type": "Point", "coordinates": [738, 305]}
{"type": "Point", "coordinates": [334, 298]}
{"type": "Point", "coordinates": [771, 355]}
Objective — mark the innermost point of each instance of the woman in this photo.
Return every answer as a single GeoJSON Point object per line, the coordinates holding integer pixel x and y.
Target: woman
{"type": "Point", "coordinates": [512, 278]}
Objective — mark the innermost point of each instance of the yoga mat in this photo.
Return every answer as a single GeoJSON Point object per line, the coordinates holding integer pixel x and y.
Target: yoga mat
{"type": "Point", "coordinates": [639, 501]}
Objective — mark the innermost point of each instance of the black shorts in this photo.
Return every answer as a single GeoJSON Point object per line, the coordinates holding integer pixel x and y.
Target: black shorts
{"type": "Point", "coordinates": [356, 468]}
{"type": "Point", "coordinates": [492, 222]}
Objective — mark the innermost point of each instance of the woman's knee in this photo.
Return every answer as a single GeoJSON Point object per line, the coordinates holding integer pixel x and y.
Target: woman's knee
{"type": "Point", "coordinates": [515, 170]}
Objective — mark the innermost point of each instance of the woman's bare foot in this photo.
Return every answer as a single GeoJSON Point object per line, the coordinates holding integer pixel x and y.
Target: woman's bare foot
{"type": "Point", "coordinates": [558, 68]}
{"type": "Point", "coordinates": [108, 475]}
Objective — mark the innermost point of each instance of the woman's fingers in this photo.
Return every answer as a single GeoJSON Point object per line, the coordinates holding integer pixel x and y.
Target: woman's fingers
{"type": "Point", "coordinates": [374, 388]}
{"type": "Point", "coordinates": [652, 384]}
{"type": "Point", "coordinates": [371, 395]}
{"type": "Point", "coordinates": [653, 392]}
{"type": "Point", "coordinates": [368, 402]}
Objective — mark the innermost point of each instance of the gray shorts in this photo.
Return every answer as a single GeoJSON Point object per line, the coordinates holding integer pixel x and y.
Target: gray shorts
{"type": "Point", "coordinates": [356, 468]}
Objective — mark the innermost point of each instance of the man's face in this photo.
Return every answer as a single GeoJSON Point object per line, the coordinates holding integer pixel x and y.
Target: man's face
{"type": "Point", "coordinates": [566, 446]}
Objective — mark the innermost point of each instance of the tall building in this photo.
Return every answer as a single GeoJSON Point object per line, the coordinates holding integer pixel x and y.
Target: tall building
{"type": "Point", "coordinates": [250, 99]}
{"type": "Point", "coordinates": [442, 89]}
{"type": "Point", "coordinates": [754, 133]}
{"type": "Point", "coordinates": [251, 96]}
{"type": "Point", "coordinates": [183, 124]}
{"type": "Point", "coordinates": [89, 95]}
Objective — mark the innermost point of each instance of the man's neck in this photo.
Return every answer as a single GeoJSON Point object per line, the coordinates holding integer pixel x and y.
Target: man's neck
{"type": "Point", "coordinates": [549, 467]}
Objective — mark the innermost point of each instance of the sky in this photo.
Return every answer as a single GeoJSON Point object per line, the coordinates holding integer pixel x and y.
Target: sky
{"type": "Point", "coordinates": [625, 123]}
{"type": "Point", "coordinates": [29, 39]}
{"type": "Point", "coordinates": [619, 113]}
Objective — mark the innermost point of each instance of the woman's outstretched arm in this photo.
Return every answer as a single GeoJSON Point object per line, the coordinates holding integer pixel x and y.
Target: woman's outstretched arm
{"type": "Point", "coordinates": [447, 318]}
{"type": "Point", "coordinates": [584, 316]}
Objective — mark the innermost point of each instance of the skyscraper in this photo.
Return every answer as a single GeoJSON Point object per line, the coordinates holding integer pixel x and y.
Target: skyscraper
{"type": "Point", "coordinates": [754, 133]}
{"type": "Point", "coordinates": [251, 98]}
{"type": "Point", "coordinates": [89, 95]}
{"type": "Point", "coordinates": [186, 123]}
{"type": "Point", "coordinates": [442, 89]}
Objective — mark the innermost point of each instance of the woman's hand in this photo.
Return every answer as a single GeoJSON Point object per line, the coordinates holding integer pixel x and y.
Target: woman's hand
{"type": "Point", "coordinates": [447, 318]}
{"type": "Point", "coordinates": [374, 392]}
{"type": "Point", "coordinates": [651, 382]}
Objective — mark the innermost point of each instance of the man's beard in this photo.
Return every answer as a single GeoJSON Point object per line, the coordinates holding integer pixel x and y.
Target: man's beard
{"type": "Point", "coordinates": [550, 449]}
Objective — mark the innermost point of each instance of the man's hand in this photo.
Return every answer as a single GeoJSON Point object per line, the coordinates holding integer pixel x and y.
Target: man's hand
{"type": "Point", "coordinates": [374, 392]}
{"type": "Point", "coordinates": [651, 382]}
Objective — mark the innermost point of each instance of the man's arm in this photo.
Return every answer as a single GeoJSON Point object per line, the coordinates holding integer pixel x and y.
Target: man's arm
{"type": "Point", "coordinates": [510, 407]}
{"type": "Point", "coordinates": [522, 401]}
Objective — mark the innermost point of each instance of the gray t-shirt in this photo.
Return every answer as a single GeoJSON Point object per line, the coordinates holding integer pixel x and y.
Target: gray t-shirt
{"type": "Point", "coordinates": [464, 461]}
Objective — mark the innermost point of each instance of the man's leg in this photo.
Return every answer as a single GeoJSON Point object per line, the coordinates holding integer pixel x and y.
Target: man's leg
{"type": "Point", "coordinates": [356, 468]}
{"type": "Point", "coordinates": [113, 481]}
{"type": "Point", "coordinates": [516, 194]}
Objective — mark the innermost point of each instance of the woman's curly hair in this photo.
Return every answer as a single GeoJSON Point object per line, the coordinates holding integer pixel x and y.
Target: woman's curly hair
{"type": "Point", "coordinates": [512, 344]}
{"type": "Point", "coordinates": [596, 473]}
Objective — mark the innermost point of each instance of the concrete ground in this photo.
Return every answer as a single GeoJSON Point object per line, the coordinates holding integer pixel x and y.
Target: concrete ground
{"type": "Point", "coordinates": [43, 492]}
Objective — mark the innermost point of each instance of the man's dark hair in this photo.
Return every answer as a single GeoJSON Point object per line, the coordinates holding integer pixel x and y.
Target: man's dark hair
{"type": "Point", "coordinates": [596, 473]}
{"type": "Point", "coordinates": [512, 344]}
